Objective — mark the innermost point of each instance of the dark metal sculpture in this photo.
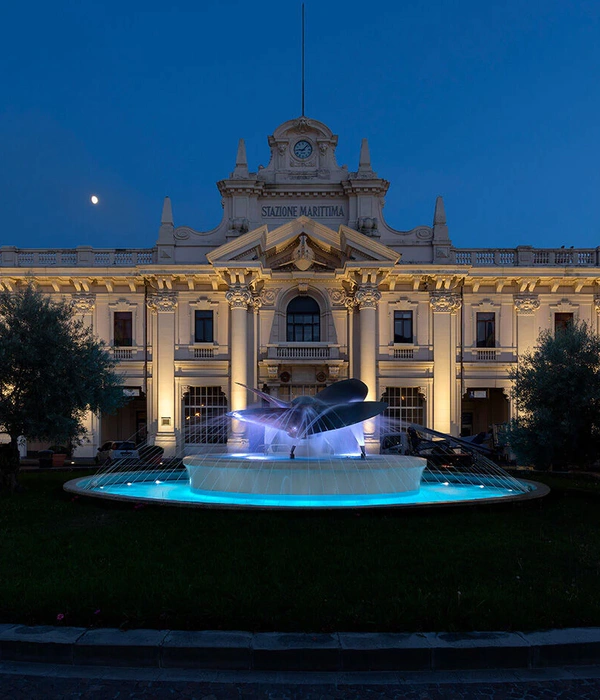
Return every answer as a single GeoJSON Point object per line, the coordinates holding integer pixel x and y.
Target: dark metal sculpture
{"type": "Point", "coordinates": [338, 406]}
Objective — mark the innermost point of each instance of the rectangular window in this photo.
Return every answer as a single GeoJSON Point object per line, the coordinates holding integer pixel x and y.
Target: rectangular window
{"type": "Point", "coordinates": [203, 332]}
{"type": "Point", "coordinates": [562, 321]}
{"type": "Point", "coordinates": [403, 326]}
{"type": "Point", "coordinates": [486, 330]}
{"type": "Point", "coordinates": [123, 328]}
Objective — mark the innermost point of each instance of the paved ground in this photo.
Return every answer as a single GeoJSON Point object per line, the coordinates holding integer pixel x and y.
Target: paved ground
{"type": "Point", "coordinates": [33, 682]}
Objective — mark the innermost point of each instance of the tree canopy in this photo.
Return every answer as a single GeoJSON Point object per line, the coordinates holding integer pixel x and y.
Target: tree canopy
{"type": "Point", "coordinates": [52, 369]}
{"type": "Point", "coordinates": [557, 393]}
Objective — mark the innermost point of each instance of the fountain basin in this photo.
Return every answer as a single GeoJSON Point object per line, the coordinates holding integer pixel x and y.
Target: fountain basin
{"type": "Point", "coordinates": [278, 476]}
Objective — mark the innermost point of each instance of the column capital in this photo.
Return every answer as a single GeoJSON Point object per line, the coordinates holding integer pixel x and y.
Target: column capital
{"type": "Point", "coordinates": [162, 301]}
{"type": "Point", "coordinates": [527, 305]}
{"type": "Point", "coordinates": [83, 303]}
{"type": "Point", "coordinates": [239, 296]}
{"type": "Point", "coordinates": [367, 296]}
{"type": "Point", "coordinates": [445, 302]}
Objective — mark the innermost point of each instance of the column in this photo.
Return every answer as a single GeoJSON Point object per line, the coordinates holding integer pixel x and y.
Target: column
{"type": "Point", "coordinates": [446, 393]}
{"type": "Point", "coordinates": [238, 296]}
{"type": "Point", "coordinates": [84, 304]}
{"type": "Point", "coordinates": [164, 304]}
{"type": "Point", "coordinates": [367, 297]}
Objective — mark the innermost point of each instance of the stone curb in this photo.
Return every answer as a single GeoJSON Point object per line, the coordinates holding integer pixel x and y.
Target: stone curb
{"type": "Point", "coordinates": [273, 651]}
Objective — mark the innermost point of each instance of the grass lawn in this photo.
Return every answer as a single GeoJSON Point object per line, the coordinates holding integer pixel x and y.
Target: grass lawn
{"type": "Point", "coordinates": [513, 566]}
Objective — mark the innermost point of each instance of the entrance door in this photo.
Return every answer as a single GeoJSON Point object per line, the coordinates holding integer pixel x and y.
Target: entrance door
{"type": "Point", "coordinates": [128, 423]}
{"type": "Point", "coordinates": [482, 408]}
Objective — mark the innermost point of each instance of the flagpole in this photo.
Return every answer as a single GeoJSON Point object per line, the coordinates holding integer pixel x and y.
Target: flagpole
{"type": "Point", "coordinates": [302, 59]}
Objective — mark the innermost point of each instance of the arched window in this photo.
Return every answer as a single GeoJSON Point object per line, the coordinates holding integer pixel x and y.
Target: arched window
{"type": "Point", "coordinates": [303, 321]}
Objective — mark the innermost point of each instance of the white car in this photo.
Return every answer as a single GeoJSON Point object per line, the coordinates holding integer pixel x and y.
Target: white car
{"type": "Point", "coordinates": [110, 451]}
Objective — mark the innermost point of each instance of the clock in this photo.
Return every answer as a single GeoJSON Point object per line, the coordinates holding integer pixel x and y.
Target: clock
{"type": "Point", "coordinates": [302, 150]}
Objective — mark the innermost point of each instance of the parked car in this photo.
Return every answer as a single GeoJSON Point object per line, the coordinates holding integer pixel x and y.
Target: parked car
{"type": "Point", "coordinates": [110, 451]}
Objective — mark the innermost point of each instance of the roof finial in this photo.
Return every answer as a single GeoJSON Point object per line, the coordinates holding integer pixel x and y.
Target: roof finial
{"type": "Point", "coordinates": [167, 212]}
{"type": "Point", "coordinates": [440, 228]}
{"type": "Point", "coordinates": [439, 216]}
{"type": "Point", "coordinates": [364, 162]}
{"type": "Point", "coordinates": [241, 162]}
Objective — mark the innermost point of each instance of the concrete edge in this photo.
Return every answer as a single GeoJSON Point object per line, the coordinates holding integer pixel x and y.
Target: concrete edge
{"type": "Point", "coordinates": [273, 651]}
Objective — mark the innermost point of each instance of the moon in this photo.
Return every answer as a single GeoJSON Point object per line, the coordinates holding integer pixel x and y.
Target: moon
{"type": "Point", "coordinates": [94, 199]}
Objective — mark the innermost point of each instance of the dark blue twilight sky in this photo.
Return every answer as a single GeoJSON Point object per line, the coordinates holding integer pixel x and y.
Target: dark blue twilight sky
{"type": "Point", "coordinates": [493, 104]}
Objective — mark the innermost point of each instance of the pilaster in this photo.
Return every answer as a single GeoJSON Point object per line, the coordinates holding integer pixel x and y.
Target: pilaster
{"type": "Point", "coordinates": [164, 304]}
{"type": "Point", "coordinates": [84, 305]}
{"type": "Point", "coordinates": [526, 307]}
{"type": "Point", "coordinates": [446, 394]}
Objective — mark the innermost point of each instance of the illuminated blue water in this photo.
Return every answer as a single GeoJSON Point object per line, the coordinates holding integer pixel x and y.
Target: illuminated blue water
{"type": "Point", "coordinates": [180, 493]}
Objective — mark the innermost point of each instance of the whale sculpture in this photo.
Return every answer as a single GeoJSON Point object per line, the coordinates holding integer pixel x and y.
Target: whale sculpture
{"type": "Point", "coordinates": [337, 406]}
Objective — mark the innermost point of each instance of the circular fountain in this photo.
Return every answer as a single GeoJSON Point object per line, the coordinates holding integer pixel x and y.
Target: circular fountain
{"type": "Point", "coordinates": [313, 455]}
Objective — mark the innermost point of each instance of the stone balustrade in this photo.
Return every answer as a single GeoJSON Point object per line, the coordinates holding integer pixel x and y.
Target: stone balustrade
{"type": "Point", "coordinates": [308, 351]}
{"type": "Point", "coordinates": [526, 256]}
{"type": "Point", "coordinates": [82, 256]}
{"type": "Point", "coordinates": [85, 256]}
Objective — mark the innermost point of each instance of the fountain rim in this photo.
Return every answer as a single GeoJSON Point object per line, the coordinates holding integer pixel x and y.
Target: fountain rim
{"type": "Point", "coordinates": [536, 490]}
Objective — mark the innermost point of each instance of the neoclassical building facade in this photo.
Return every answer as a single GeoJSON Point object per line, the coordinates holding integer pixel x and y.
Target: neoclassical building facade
{"type": "Point", "coordinates": [301, 284]}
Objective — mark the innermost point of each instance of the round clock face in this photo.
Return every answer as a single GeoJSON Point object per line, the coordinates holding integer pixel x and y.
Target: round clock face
{"type": "Point", "coordinates": [302, 150]}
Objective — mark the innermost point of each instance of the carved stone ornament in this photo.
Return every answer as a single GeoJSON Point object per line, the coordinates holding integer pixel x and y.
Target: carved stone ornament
{"type": "Point", "coordinates": [302, 125]}
{"type": "Point", "coordinates": [367, 225]}
{"type": "Point", "coordinates": [303, 255]}
{"type": "Point", "coordinates": [423, 233]}
{"type": "Point", "coordinates": [163, 301]}
{"type": "Point", "coordinates": [268, 296]}
{"type": "Point", "coordinates": [339, 297]}
{"type": "Point", "coordinates": [182, 233]}
{"type": "Point", "coordinates": [239, 296]}
{"type": "Point", "coordinates": [526, 305]}
{"type": "Point", "coordinates": [447, 302]}
{"type": "Point", "coordinates": [367, 296]}
{"type": "Point", "coordinates": [239, 225]}
{"type": "Point", "coordinates": [597, 304]}
{"type": "Point", "coordinates": [272, 371]}
{"type": "Point", "coordinates": [83, 303]}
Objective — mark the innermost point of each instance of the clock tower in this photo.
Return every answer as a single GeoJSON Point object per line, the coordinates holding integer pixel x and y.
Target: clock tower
{"type": "Point", "coordinates": [303, 150]}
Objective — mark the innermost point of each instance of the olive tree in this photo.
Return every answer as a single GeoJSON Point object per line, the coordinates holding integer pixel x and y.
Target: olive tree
{"type": "Point", "coordinates": [52, 371]}
{"type": "Point", "coordinates": [556, 388]}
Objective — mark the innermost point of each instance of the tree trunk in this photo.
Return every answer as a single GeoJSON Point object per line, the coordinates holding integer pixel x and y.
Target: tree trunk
{"type": "Point", "coordinates": [9, 466]}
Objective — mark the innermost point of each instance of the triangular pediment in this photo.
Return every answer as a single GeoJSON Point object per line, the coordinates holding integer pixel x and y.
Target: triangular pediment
{"type": "Point", "coordinates": [303, 243]}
